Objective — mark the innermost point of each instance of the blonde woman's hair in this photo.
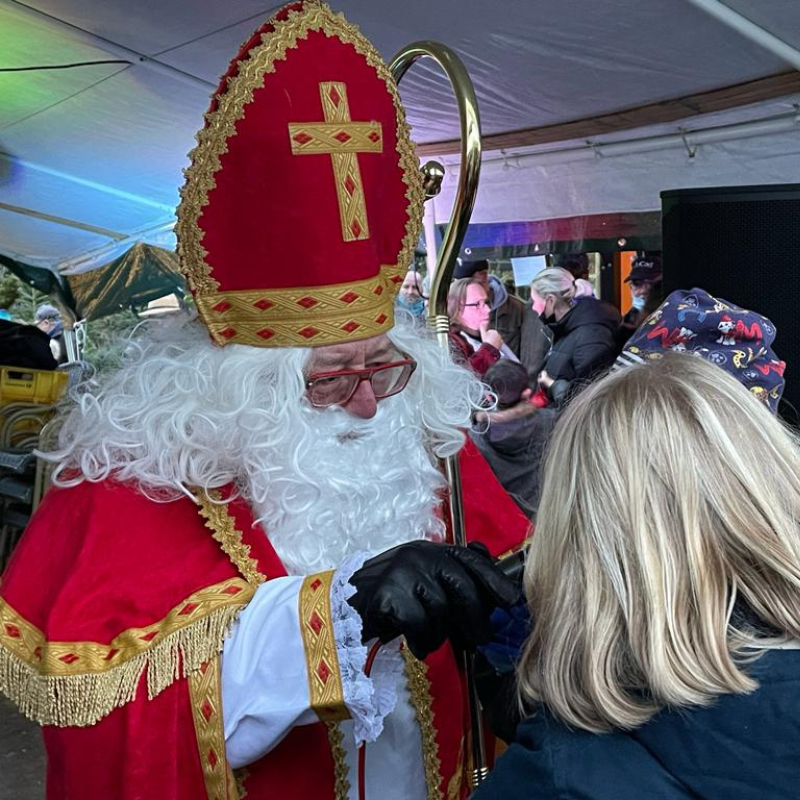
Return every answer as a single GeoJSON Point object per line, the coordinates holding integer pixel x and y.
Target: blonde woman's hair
{"type": "Point", "coordinates": [555, 281]}
{"type": "Point", "coordinates": [670, 503]}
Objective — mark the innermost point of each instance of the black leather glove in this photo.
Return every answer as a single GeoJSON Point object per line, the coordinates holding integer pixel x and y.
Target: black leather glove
{"type": "Point", "coordinates": [431, 592]}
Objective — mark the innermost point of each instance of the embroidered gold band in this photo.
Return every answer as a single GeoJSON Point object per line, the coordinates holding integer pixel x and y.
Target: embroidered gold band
{"type": "Point", "coordinates": [327, 138]}
{"type": "Point", "coordinates": [343, 139]}
{"type": "Point", "coordinates": [78, 683]}
{"type": "Point", "coordinates": [358, 309]}
{"type": "Point", "coordinates": [222, 524]}
{"type": "Point", "coordinates": [419, 688]}
{"type": "Point", "coordinates": [205, 690]}
{"type": "Point", "coordinates": [322, 662]}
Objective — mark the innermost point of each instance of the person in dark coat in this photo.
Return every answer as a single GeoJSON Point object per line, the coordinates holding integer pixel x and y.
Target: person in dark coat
{"type": "Point", "coordinates": [583, 334]}
{"type": "Point", "coordinates": [664, 584]}
{"type": "Point", "coordinates": [534, 342]}
{"type": "Point", "coordinates": [647, 293]}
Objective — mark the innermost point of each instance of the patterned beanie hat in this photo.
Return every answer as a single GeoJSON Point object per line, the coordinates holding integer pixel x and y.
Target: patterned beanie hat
{"type": "Point", "coordinates": [735, 339]}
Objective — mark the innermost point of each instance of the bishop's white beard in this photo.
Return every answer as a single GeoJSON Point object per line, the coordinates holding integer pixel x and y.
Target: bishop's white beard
{"type": "Point", "coordinates": [340, 485]}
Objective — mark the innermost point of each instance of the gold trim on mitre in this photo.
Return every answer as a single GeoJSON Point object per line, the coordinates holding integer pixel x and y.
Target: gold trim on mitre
{"type": "Point", "coordinates": [295, 324]}
{"type": "Point", "coordinates": [356, 310]}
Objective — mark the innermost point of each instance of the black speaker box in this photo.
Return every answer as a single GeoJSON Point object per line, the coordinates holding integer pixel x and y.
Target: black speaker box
{"type": "Point", "coordinates": [742, 244]}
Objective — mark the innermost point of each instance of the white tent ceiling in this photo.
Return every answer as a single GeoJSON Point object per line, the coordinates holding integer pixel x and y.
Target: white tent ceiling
{"type": "Point", "coordinates": [91, 156]}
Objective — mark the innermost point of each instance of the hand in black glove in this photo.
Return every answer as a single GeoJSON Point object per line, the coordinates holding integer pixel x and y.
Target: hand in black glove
{"type": "Point", "coordinates": [430, 592]}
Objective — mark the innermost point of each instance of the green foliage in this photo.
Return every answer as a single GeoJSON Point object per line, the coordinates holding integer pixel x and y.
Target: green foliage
{"type": "Point", "coordinates": [106, 338]}
{"type": "Point", "coordinates": [27, 301]}
{"type": "Point", "coordinates": [9, 288]}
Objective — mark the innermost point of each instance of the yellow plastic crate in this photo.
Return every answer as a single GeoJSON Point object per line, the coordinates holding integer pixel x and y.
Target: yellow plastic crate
{"type": "Point", "coordinates": [22, 385]}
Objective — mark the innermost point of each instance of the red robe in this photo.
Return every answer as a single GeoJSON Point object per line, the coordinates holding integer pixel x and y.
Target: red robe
{"type": "Point", "coordinates": [113, 612]}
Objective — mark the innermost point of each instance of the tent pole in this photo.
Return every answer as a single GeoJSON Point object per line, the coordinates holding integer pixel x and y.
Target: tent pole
{"type": "Point", "coordinates": [748, 29]}
{"type": "Point", "coordinates": [429, 226]}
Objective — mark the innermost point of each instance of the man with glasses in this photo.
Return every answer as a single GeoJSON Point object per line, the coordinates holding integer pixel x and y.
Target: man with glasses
{"type": "Point", "coordinates": [240, 582]}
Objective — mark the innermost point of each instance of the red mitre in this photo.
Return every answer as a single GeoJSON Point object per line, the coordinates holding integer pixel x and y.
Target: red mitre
{"type": "Point", "coordinates": [303, 202]}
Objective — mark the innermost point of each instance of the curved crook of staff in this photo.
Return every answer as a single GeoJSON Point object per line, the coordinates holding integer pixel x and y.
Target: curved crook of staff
{"type": "Point", "coordinates": [438, 320]}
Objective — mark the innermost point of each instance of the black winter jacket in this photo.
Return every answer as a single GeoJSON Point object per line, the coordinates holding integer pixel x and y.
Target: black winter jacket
{"type": "Point", "coordinates": [583, 344]}
{"type": "Point", "coordinates": [743, 747]}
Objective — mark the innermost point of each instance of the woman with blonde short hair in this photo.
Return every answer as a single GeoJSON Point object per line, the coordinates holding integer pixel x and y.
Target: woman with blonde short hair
{"type": "Point", "coordinates": [582, 333]}
{"type": "Point", "coordinates": [664, 585]}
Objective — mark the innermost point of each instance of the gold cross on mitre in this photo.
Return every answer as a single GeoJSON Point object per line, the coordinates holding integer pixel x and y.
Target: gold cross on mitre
{"type": "Point", "coordinates": [342, 139]}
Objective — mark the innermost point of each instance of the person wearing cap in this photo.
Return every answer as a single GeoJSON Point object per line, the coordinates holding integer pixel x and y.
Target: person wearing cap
{"type": "Point", "coordinates": [48, 319]}
{"type": "Point", "coordinates": [645, 284]}
{"type": "Point", "coordinates": [240, 582]}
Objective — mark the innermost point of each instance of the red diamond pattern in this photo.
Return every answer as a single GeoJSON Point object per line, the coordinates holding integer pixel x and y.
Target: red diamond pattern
{"type": "Point", "coordinates": [309, 332]}
{"type": "Point", "coordinates": [302, 138]}
{"type": "Point", "coordinates": [232, 590]}
{"type": "Point", "coordinates": [223, 305]}
{"type": "Point", "coordinates": [148, 637]}
{"type": "Point", "coordinates": [207, 710]}
{"type": "Point", "coordinates": [228, 333]}
{"type": "Point", "coordinates": [212, 759]}
{"type": "Point", "coordinates": [350, 185]}
{"type": "Point", "coordinates": [381, 319]}
{"type": "Point", "coordinates": [378, 290]}
{"type": "Point", "coordinates": [316, 623]}
{"type": "Point", "coordinates": [355, 228]}
{"type": "Point", "coordinates": [374, 136]}
{"type": "Point", "coordinates": [69, 658]}
{"type": "Point", "coordinates": [349, 327]}
{"type": "Point", "coordinates": [265, 333]}
{"type": "Point", "coordinates": [111, 654]}
{"type": "Point", "coordinates": [307, 302]}
{"type": "Point", "coordinates": [315, 584]}
{"type": "Point", "coordinates": [264, 304]}
{"type": "Point", "coordinates": [343, 136]}
{"type": "Point", "coordinates": [13, 631]}
{"type": "Point", "coordinates": [334, 96]}
{"type": "Point", "coordinates": [349, 297]}
{"type": "Point", "coordinates": [323, 671]}
{"type": "Point", "coordinates": [187, 609]}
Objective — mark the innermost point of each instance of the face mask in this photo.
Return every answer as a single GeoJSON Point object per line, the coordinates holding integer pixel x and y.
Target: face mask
{"type": "Point", "coordinates": [638, 303]}
{"type": "Point", "coordinates": [415, 307]}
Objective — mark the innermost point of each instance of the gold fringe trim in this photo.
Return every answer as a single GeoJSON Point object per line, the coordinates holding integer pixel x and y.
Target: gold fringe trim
{"type": "Point", "coordinates": [419, 688]}
{"type": "Point", "coordinates": [223, 526]}
{"type": "Point", "coordinates": [81, 700]}
{"type": "Point", "coordinates": [341, 787]}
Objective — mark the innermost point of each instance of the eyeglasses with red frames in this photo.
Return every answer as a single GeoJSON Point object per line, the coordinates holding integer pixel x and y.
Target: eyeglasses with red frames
{"type": "Point", "coordinates": [336, 388]}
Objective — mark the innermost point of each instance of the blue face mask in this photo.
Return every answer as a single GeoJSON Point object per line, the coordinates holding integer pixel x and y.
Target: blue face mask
{"type": "Point", "coordinates": [637, 303]}
{"type": "Point", "coordinates": [416, 307]}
